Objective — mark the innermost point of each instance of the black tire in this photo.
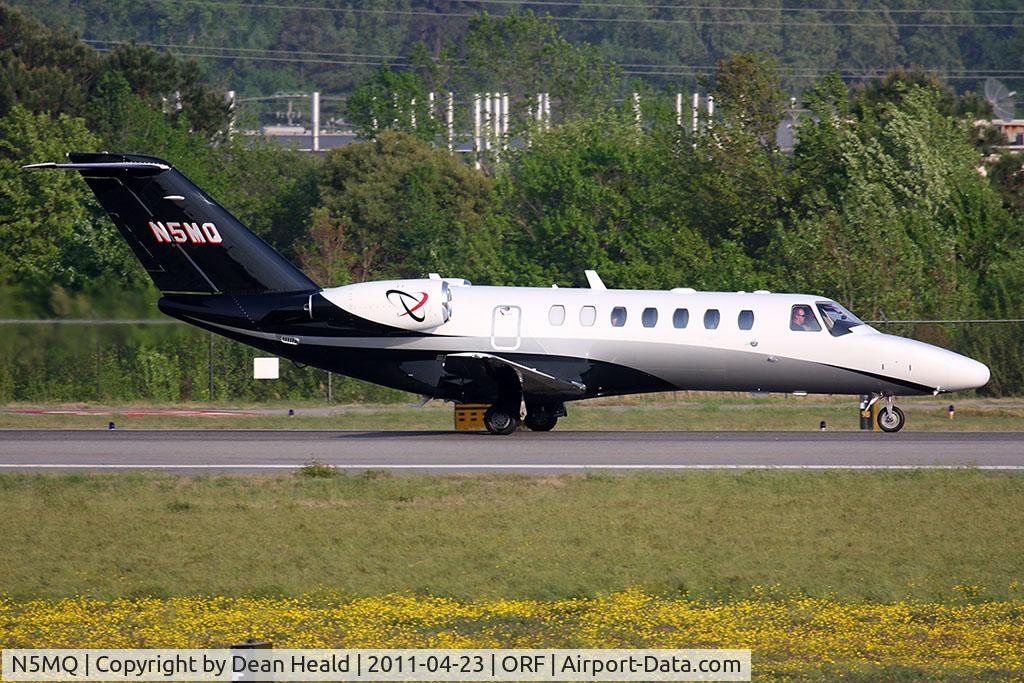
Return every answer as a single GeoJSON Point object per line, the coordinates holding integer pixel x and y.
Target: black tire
{"type": "Point", "coordinates": [501, 420]}
{"type": "Point", "coordinates": [891, 421]}
{"type": "Point", "coordinates": [540, 420]}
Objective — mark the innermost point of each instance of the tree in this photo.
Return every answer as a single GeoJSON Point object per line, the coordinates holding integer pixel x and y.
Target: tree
{"type": "Point", "coordinates": [596, 194]}
{"type": "Point", "coordinates": [392, 100]}
{"type": "Point", "coordinates": [749, 99]}
{"type": "Point", "coordinates": [169, 85]}
{"type": "Point", "coordinates": [43, 70]}
{"type": "Point", "coordinates": [525, 54]}
{"type": "Point", "coordinates": [737, 177]}
{"type": "Point", "coordinates": [896, 219]}
{"type": "Point", "coordinates": [409, 210]}
{"type": "Point", "coordinates": [43, 215]}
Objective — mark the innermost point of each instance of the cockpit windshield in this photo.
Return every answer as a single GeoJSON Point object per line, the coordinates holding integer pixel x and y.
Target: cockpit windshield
{"type": "Point", "coordinates": [837, 319]}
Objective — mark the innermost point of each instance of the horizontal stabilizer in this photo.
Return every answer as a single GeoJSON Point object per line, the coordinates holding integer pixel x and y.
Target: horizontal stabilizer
{"type": "Point", "coordinates": [126, 166]}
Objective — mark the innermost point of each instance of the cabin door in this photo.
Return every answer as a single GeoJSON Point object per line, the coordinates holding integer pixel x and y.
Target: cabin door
{"type": "Point", "coordinates": [505, 328]}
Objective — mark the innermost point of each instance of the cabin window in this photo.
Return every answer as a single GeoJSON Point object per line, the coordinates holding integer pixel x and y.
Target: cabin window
{"type": "Point", "coordinates": [588, 316]}
{"type": "Point", "coordinates": [618, 316]}
{"type": "Point", "coordinates": [746, 320]}
{"type": "Point", "coordinates": [801, 319]}
{"type": "Point", "coordinates": [556, 316]}
{"type": "Point", "coordinates": [649, 317]}
{"type": "Point", "coordinates": [711, 319]}
{"type": "Point", "coordinates": [681, 318]}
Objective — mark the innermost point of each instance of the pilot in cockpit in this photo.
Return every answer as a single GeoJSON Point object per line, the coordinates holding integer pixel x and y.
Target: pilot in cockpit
{"type": "Point", "coordinates": [803, 320]}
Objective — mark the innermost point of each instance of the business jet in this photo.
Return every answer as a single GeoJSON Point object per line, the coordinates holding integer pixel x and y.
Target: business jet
{"type": "Point", "coordinates": [524, 351]}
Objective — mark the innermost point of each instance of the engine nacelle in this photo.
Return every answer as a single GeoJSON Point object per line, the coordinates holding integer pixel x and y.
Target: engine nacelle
{"type": "Point", "coordinates": [406, 304]}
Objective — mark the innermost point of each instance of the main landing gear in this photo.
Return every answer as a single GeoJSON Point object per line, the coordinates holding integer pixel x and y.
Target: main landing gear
{"type": "Point", "coordinates": [542, 417]}
{"type": "Point", "coordinates": [503, 419]}
{"type": "Point", "coordinates": [890, 418]}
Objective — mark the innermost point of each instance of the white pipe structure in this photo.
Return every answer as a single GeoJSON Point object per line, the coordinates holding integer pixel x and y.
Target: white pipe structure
{"type": "Point", "coordinates": [679, 109]}
{"type": "Point", "coordinates": [547, 111]}
{"type": "Point", "coordinates": [487, 122]}
{"type": "Point", "coordinates": [476, 130]}
{"type": "Point", "coordinates": [496, 121]}
{"type": "Point", "coordinates": [316, 121]}
{"type": "Point", "coordinates": [450, 121]}
{"type": "Point", "coordinates": [696, 112]}
{"type": "Point", "coordinates": [637, 115]}
{"type": "Point", "coordinates": [412, 113]}
{"type": "Point", "coordinates": [711, 109]}
{"type": "Point", "coordinates": [504, 116]}
{"type": "Point", "coordinates": [539, 114]}
{"type": "Point", "coordinates": [430, 104]}
{"type": "Point", "coordinates": [232, 111]}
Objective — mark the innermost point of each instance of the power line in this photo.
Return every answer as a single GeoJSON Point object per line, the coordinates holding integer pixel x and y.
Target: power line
{"type": "Point", "coordinates": [946, 322]}
{"type": "Point", "coordinates": [746, 8]}
{"type": "Point", "coordinates": [185, 46]}
{"type": "Point", "coordinates": [360, 59]}
{"type": "Point", "coordinates": [605, 20]}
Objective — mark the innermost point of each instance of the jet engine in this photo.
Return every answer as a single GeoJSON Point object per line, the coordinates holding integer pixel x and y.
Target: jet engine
{"type": "Point", "coordinates": [406, 304]}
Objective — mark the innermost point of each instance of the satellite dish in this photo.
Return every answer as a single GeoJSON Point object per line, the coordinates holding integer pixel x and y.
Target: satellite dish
{"type": "Point", "coordinates": [1001, 99]}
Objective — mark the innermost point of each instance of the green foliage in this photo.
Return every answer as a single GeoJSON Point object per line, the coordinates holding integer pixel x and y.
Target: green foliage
{"type": "Point", "coordinates": [595, 194]}
{"type": "Point", "coordinates": [524, 54]}
{"type": "Point", "coordinates": [881, 205]}
{"type": "Point", "coordinates": [408, 210]}
{"type": "Point", "coordinates": [159, 376]}
{"type": "Point", "coordinates": [169, 84]}
{"type": "Point", "coordinates": [749, 96]}
{"type": "Point", "coordinates": [392, 100]}
{"type": "Point", "coordinates": [43, 70]}
{"type": "Point", "coordinates": [314, 469]}
{"type": "Point", "coordinates": [893, 197]}
{"type": "Point", "coordinates": [51, 71]}
{"type": "Point", "coordinates": [41, 213]}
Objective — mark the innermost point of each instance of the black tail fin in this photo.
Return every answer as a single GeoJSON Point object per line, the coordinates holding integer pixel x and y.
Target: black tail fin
{"type": "Point", "coordinates": [186, 241]}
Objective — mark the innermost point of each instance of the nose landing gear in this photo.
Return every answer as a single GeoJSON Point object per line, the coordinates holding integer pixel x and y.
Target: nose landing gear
{"type": "Point", "coordinates": [890, 418]}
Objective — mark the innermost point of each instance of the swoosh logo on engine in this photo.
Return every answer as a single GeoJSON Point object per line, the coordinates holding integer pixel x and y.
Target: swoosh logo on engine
{"type": "Point", "coordinates": [403, 300]}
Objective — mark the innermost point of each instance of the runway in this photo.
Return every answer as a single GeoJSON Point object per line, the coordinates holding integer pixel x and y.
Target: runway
{"type": "Point", "coordinates": [275, 452]}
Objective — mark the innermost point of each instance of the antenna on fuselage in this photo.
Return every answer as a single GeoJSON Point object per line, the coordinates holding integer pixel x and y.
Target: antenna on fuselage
{"type": "Point", "coordinates": [594, 280]}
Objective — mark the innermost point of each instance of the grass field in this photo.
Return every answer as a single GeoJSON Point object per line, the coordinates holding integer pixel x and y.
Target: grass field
{"type": "Point", "coordinates": [911, 575]}
{"type": "Point", "coordinates": [697, 411]}
{"type": "Point", "coordinates": [846, 535]}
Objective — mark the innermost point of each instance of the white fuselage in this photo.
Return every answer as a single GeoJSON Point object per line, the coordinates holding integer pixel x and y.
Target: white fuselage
{"type": "Point", "coordinates": [555, 323]}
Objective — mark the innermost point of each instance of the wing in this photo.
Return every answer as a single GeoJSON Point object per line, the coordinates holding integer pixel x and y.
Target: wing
{"type": "Point", "coordinates": [534, 382]}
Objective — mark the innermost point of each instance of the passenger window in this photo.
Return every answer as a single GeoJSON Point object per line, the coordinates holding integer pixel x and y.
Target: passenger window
{"type": "Point", "coordinates": [746, 320]}
{"type": "Point", "coordinates": [649, 317]}
{"type": "Point", "coordinates": [556, 316]}
{"type": "Point", "coordinates": [681, 318]}
{"type": "Point", "coordinates": [711, 318]}
{"type": "Point", "coordinates": [618, 316]}
{"type": "Point", "coordinates": [588, 315]}
{"type": "Point", "coordinates": [802, 319]}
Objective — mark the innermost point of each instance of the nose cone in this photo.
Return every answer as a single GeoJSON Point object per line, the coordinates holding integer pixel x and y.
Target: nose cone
{"type": "Point", "coordinates": [966, 373]}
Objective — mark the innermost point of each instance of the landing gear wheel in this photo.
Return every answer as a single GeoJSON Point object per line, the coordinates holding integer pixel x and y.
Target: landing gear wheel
{"type": "Point", "coordinates": [540, 420]}
{"type": "Point", "coordinates": [891, 419]}
{"type": "Point", "coordinates": [501, 420]}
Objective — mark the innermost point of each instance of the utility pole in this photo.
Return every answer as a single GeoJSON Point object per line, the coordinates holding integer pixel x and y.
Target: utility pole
{"type": "Point", "coordinates": [316, 121]}
{"type": "Point", "coordinates": [476, 130]}
{"type": "Point", "coordinates": [450, 121]}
